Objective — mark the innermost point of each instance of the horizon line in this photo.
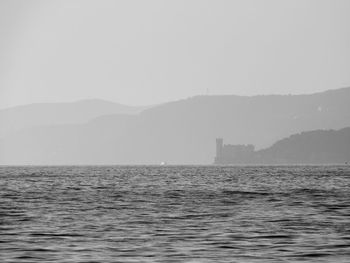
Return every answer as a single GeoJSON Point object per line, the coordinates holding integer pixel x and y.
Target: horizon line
{"type": "Point", "coordinates": [168, 101]}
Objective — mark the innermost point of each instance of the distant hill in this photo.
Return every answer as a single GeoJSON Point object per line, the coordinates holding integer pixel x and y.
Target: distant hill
{"type": "Point", "coordinates": [40, 114]}
{"type": "Point", "coordinates": [313, 147]}
{"type": "Point", "coordinates": [179, 132]}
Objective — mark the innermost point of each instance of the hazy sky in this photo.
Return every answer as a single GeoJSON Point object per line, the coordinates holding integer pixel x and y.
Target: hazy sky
{"type": "Point", "coordinates": [151, 51]}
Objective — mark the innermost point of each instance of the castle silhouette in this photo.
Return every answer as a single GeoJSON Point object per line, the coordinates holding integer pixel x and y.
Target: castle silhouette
{"type": "Point", "coordinates": [233, 154]}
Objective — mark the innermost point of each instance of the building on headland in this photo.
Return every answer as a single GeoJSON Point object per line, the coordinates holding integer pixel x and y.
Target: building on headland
{"type": "Point", "coordinates": [233, 154]}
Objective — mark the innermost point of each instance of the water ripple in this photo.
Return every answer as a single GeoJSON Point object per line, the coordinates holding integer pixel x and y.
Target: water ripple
{"type": "Point", "coordinates": [175, 214]}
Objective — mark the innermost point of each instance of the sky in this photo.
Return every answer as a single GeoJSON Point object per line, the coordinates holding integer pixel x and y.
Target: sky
{"type": "Point", "coordinates": [142, 52]}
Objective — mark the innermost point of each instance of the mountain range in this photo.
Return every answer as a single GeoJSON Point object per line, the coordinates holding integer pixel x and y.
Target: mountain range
{"type": "Point", "coordinates": [43, 114]}
{"type": "Point", "coordinates": [178, 132]}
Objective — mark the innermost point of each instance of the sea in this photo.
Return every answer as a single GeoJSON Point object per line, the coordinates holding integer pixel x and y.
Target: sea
{"type": "Point", "coordinates": [174, 214]}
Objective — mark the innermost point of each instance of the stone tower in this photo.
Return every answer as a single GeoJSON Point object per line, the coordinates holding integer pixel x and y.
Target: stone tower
{"type": "Point", "coordinates": [219, 148]}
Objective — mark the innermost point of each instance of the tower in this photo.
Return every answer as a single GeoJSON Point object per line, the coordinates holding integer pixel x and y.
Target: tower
{"type": "Point", "coordinates": [219, 148]}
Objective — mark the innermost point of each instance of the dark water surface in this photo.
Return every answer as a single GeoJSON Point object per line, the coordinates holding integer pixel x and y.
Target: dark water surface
{"type": "Point", "coordinates": [175, 214]}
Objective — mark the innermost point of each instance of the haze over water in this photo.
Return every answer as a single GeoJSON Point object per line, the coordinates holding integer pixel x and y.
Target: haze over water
{"type": "Point", "coordinates": [175, 214]}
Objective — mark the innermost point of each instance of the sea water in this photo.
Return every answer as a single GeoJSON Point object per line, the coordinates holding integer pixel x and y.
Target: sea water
{"type": "Point", "coordinates": [175, 214]}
